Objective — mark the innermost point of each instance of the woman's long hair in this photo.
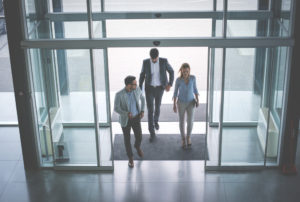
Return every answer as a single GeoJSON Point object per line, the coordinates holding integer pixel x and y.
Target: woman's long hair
{"type": "Point", "coordinates": [183, 66]}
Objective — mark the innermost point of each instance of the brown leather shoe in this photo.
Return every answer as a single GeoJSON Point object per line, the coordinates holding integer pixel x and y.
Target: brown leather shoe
{"type": "Point", "coordinates": [140, 152]}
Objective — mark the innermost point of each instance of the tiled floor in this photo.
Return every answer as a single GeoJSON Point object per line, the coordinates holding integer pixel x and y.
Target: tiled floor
{"type": "Point", "coordinates": [149, 181]}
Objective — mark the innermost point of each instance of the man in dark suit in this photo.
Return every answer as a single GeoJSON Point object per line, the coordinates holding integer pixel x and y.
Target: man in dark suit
{"type": "Point", "coordinates": [154, 73]}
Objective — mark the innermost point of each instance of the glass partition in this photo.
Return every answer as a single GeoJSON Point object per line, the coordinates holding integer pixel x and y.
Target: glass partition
{"type": "Point", "coordinates": [159, 28]}
{"type": "Point", "coordinates": [103, 104]}
{"type": "Point", "coordinates": [239, 5]}
{"type": "Point", "coordinates": [242, 107]}
{"type": "Point", "coordinates": [214, 98]}
{"type": "Point", "coordinates": [285, 16]}
{"type": "Point", "coordinates": [276, 101]}
{"type": "Point", "coordinates": [242, 28]}
{"type": "Point", "coordinates": [157, 5]}
{"type": "Point", "coordinates": [68, 136]}
{"type": "Point", "coordinates": [41, 112]}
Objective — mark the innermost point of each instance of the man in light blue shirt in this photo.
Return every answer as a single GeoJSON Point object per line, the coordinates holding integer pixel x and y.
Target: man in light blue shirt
{"type": "Point", "coordinates": [130, 104]}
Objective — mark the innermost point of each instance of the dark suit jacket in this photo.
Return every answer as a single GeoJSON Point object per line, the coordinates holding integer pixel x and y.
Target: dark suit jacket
{"type": "Point", "coordinates": [164, 67]}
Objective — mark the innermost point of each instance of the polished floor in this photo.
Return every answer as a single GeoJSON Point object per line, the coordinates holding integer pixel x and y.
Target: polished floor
{"type": "Point", "coordinates": [159, 181]}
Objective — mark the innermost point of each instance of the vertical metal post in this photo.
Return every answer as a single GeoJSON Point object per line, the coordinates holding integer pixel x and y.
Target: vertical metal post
{"type": "Point", "coordinates": [222, 83]}
{"type": "Point", "coordinates": [212, 67]}
{"type": "Point", "coordinates": [270, 78]}
{"type": "Point", "coordinates": [283, 118]}
{"type": "Point", "coordinates": [93, 77]}
{"type": "Point", "coordinates": [15, 34]}
{"type": "Point", "coordinates": [208, 104]}
{"type": "Point", "coordinates": [105, 55]}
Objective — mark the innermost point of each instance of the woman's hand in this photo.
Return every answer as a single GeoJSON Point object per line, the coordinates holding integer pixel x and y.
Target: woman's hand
{"type": "Point", "coordinates": [175, 108]}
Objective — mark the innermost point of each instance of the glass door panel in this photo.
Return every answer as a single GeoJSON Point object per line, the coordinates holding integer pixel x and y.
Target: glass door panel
{"type": "Point", "coordinates": [41, 112]}
{"type": "Point", "coordinates": [244, 115]}
{"type": "Point", "coordinates": [70, 123]}
{"type": "Point", "coordinates": [240, 100]}
{"type": "Point", "coordinates": [103, 105]}
{"type": "Point", "coordinates": [214, 93]}
{"type": "Point", "coordinates": [158, 28]}
{"type": "Point", "coordinates": [156, 5]}
{"type": "Point", "coordinates": [276, 104]}
{"type": "Point", "coordinates": [76, 144]}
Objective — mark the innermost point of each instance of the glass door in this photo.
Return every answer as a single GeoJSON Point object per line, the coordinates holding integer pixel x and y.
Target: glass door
{"type": "Point", "coordinates": [214, 90]}
{"type": "Point", "coordinates": [246, 96]}
{"type": "Point", "coordinates": [76, 132]}
{"type": "Point", "coordinates": [242, 107]}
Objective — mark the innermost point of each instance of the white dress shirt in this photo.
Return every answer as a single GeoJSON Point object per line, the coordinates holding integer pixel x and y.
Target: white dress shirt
{"type": "Point", "coordinates": [155, 73]}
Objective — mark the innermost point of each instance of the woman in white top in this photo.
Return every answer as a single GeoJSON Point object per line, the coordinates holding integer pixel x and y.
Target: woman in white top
{"type": "Point", "coordinates": [185, 99]}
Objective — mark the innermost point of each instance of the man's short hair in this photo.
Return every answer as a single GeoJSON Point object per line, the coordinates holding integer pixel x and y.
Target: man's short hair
{"type": "Point", "coordinates": [129, 80]}
{"type": "Point", "coordinates": [154, 53]}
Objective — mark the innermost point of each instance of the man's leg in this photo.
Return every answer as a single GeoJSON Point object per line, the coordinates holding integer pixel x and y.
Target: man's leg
{"type": "Point", "coordinates": [150, 99]}
{"type": "Point", "coordinates": [137, 129]}
{"type": "Point", "coordinates": [126, 133]}
{"type": "Point", "coordinates": [158, 97]}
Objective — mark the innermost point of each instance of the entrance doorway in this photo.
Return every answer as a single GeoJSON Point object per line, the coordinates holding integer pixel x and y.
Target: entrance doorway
{"type": "Point", "coordinates": [128, 61]}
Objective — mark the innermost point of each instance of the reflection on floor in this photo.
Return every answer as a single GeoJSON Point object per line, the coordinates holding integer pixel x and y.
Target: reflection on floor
{"type": "Point", "coordinates": [239, 144]}
{"type": "Point", "coordinates": [161, 181]}
{"type": "Point", "coordinates": [81, 145]}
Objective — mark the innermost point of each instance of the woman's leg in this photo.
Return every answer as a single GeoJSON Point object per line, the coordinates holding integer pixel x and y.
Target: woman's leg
{"type": "Point", "coordinates": [181, 114]}
{"type": "Point", "coordinates": [190, 119]}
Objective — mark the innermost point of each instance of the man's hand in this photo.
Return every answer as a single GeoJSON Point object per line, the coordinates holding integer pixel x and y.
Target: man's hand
{"type": "Point", "coordinates": [175, 108]}
{"type": "Point", "coordinates": [130, 115]}
{"type": "Point", "coordinates": [141, 115]}
{"type": "Point", "coordinates": [168, 88]}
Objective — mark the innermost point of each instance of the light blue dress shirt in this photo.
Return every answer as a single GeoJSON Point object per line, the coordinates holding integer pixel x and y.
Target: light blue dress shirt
{"type": "Point", "coordinates": [132, 103]}
{"type": "Point", "coordinates": [185, 92]}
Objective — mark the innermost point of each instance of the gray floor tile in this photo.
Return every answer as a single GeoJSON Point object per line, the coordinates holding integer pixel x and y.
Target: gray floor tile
{"type": "Point", "coordinates": [158, 192]}
{"type": "Point", "coordinates": [70, 191]}
{"type": "Point", "coordinates": [9, 134]}
{"type": "Point", "coordinates": [46, 192]}
{"type": "Point", "coordinates": [7, 169]}
{"type": "Point", "coordinates": [202, 192]}
{"type": "Point", "coordinates": [52, 176]}
{"type": "Point", "coordinates": [2, 187]}
{"type": "Point", "coordinates": [246, 192]}
{"type": "Point", "coordinates": [23, 192]}
{"type": "Point", "coordinates": [117, 192]}
{"type": "Point", "coordinates": [287, 192]}
{"type": "Point", "coordinates": [10, 151]}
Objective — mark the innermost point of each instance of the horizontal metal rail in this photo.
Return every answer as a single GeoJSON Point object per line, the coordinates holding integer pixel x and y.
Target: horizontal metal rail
{"type": "Point", "coordinates": [238, 42]}
{"type": "Point", "coordinates": [236, 15]}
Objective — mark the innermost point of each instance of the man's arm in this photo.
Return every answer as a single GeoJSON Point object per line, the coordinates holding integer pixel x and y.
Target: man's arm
{"type": "Point", "coordinates": [117, 105]}
{"type": "Point", "coordinates": [171, 73]}
{"type": "Point", "coordinates": [142, 76]}
{"type": "Point", "coordinates": [142, 98]}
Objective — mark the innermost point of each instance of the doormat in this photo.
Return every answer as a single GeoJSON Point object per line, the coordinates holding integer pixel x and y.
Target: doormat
{"type": "Point", "coordinates": [167, 114]}
{"type": "Point", "coordinates": [164, 147]}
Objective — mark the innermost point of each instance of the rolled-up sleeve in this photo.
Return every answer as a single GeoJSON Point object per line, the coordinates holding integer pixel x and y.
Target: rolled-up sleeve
{"type": "Point", "coordinates": [176, 89]}
{"type": "Point", "coordinates": [195, 87]}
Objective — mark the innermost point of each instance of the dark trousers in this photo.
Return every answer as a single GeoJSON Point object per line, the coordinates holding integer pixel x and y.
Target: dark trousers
{"type": "Point", "coordinates": [135, 124]}
{"type": "Point", "coordinates": [153, 94]}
